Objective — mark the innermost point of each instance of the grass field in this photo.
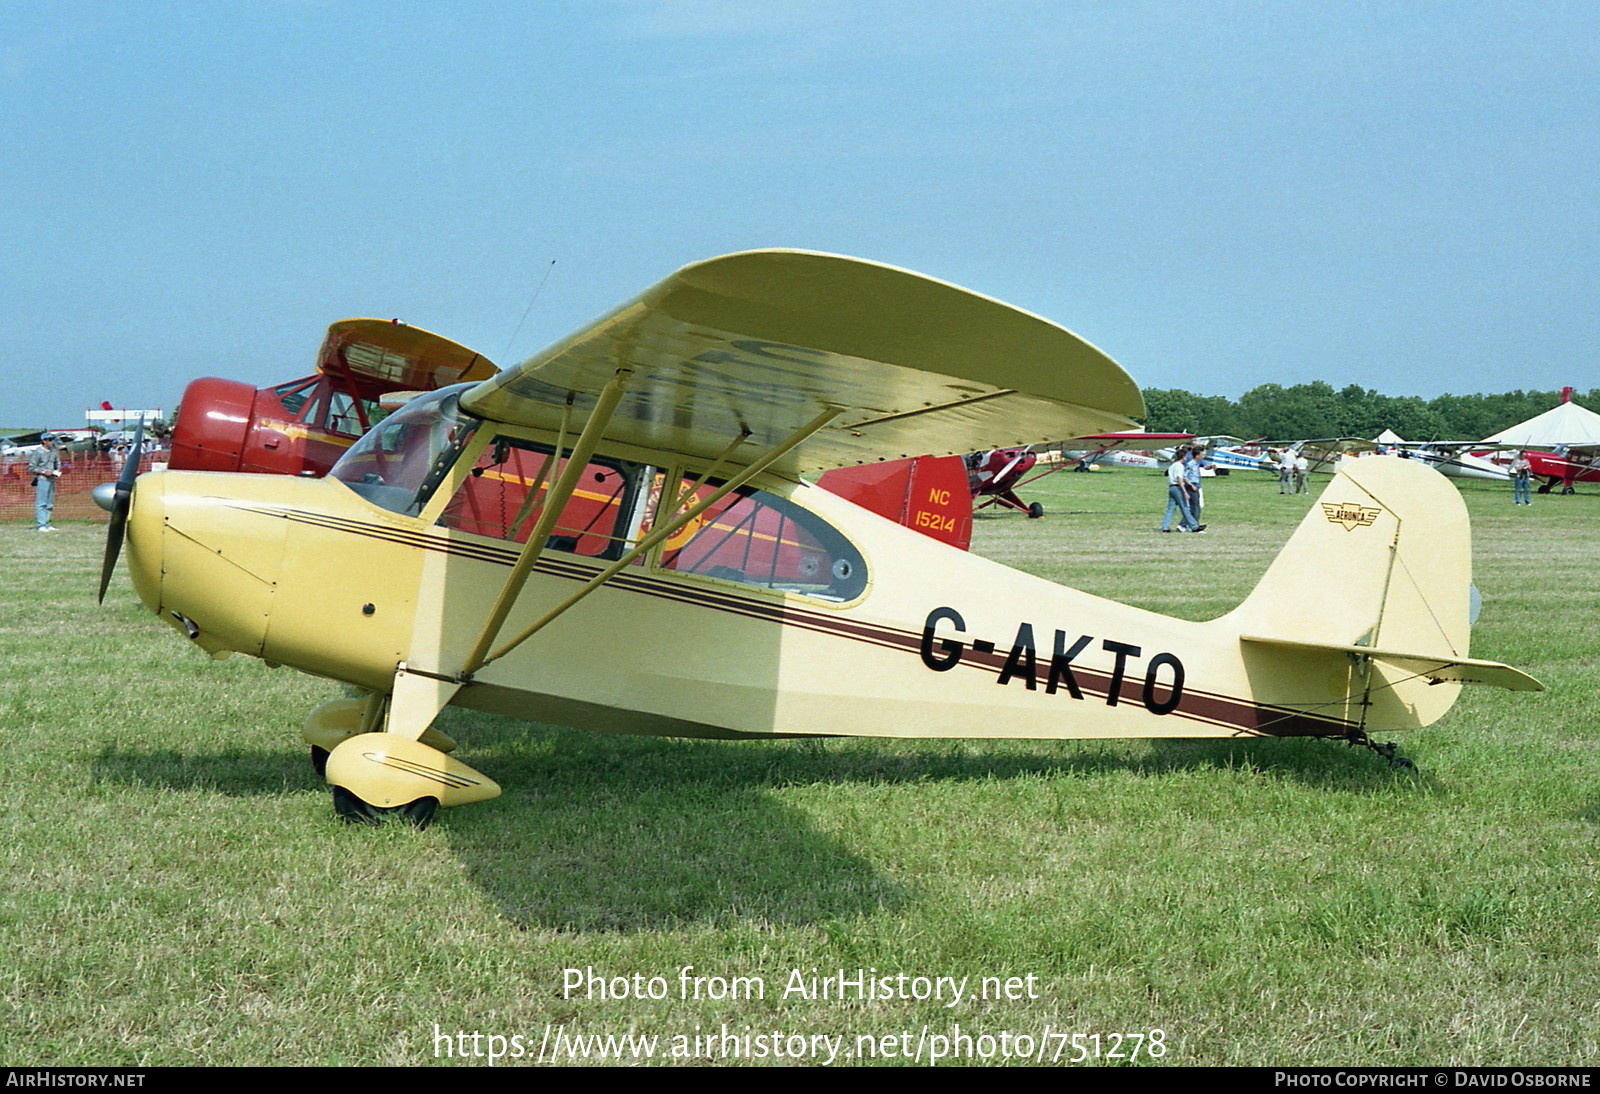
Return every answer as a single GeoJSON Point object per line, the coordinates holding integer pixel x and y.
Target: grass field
{"type": "Point", "coordinates": [177, 890]}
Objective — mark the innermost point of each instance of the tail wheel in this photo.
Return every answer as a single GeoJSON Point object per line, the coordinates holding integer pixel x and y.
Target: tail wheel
{"type": "Point", "coordinates": [1035, 510]}
{"type": "Point", "coordinates": [352, 810]}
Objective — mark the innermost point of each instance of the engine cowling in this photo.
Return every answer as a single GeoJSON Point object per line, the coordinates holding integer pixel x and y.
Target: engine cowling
{"type": "Point", "coordinates": [213, 421]}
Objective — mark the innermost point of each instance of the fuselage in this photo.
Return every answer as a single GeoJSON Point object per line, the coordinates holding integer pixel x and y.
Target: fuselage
{"type": "Point", "coordinates": [1564, 467]}
{"type": "Point", "coordinates": [786, 611]}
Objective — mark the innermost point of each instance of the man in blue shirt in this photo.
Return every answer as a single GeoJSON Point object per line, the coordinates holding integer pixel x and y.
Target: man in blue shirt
{"type": "Point", "coordinates": [1191, 474]}
{"type": "Point", "coordinates": [44, 464]}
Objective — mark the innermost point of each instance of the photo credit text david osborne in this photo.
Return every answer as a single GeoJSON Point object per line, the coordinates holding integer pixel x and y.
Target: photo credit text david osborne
{"type": "Point", "coordinates": [1534, 1078]}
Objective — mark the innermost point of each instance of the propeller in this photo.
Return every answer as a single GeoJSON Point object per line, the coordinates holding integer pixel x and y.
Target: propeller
{"type": "Point", "coordinates": [117, 500]}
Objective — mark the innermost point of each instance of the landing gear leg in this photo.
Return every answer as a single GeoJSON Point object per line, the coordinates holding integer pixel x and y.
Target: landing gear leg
{"type": "Point", "coordinates": [377, 774]}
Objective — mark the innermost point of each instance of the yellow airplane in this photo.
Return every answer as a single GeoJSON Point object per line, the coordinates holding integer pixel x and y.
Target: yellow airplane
{"type": "Point", "coordinates": [616, 535]}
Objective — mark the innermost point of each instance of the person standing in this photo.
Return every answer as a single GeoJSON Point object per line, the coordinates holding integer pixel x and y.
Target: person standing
{"type": "Point", "coordinates": [1301, 467]}
{"type": "Point", "coordinates": [1521, 469]}
{"type": "Point", "coordinates": [1191, 472]}
{"type": "Point", "coordinates": [1178, 497]}
{"type": "Point", "coordinates": [44, 464]}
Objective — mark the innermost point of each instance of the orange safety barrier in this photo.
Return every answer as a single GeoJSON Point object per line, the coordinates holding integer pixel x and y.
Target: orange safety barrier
{"type": "Point", "coordinates": [80, 474]}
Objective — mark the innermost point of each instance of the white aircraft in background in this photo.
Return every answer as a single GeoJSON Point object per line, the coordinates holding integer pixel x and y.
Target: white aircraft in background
{"type": "Point", "coordinates": [1458, 459]}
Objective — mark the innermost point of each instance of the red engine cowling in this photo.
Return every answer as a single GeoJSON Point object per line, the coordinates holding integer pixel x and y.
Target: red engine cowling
{"type": "Point", "coordinates": [213, 420]}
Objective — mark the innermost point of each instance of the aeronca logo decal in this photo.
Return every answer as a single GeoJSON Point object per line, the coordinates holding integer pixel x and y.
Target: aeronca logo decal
{"type": "Point", "coordinates": [1351, 516]}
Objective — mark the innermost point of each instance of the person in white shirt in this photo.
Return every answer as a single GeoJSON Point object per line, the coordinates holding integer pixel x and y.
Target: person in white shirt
{"type": "Point", "coordinates": [1178, 498]}
{"type": "Point", "coordinates": [1520, 470]}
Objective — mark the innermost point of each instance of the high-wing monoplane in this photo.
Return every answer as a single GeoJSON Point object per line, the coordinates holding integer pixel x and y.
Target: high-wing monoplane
{"type": "Point", "coordinates": [1151, 451]}
{"type": "Point", "coordinates": [616, 534]}
{"type": "Point", "coordinates": [1323, 455]}
{"type": "Point", "coordinates": [994, 476]}
{"type": "Point", "coordinates": [1564, 466]}
{"type": "Point", "coordinates": [1458, 459]}
{"type": "Point", "coordinates": [303, 426]}
{"type": "Point", "coordinates": [1228, 454]}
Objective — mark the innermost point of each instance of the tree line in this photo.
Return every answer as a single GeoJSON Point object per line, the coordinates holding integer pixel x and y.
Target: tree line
{"type": "Point", "coordinates": [1317, 410]}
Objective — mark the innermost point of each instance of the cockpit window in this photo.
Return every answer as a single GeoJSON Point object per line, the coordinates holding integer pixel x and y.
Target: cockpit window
{"type": "Point", "coordinates": [401, 461]}
{"type": "Point", "coordinates": [756, 538]}
{"type": "Point", "coordinates": [292, 396]}
{"type": "Point", "coordinates": [504, 495]}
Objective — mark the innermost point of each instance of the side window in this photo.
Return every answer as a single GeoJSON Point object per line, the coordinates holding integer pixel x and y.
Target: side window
{"type": "Point", "coordinates": [342, 416]}
{"type": "Point", "coordinates": [757, 538]}
{"type": "Point", "coordinates": [503, 494]}
{"type": "Point", "coordinates": [293, 395]}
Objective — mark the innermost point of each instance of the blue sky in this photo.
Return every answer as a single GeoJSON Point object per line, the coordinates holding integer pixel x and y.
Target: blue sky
{"type": "Point", "coordinates": [1401, 196]}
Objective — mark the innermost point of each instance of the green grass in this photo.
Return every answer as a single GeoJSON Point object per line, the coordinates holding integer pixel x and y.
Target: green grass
{"type": "Point", "coordinates": [177, 891]}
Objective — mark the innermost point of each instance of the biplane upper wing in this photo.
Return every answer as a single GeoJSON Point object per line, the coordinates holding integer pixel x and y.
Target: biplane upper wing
{"type": "Point", "coordinates": [398, 356]}
{"type": "Point", "coordinates": [758, 344]}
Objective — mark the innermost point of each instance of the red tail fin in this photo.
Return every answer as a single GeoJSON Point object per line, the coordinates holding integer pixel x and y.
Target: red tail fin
{"type": "Point", "coordinates": [928, 494]}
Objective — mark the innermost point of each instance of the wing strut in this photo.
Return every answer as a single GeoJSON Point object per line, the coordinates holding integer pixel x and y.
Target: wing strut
{"type": "Point", "coordinates": [554, 502]}
{"type": "Point", "coordinates": [688, 488]}
{"type": "Point", "coordinates": [660, 533]}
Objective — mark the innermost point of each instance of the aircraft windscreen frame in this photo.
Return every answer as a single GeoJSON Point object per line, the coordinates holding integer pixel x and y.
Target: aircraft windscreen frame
{"type": "Point", "coordinates": [400, 462]}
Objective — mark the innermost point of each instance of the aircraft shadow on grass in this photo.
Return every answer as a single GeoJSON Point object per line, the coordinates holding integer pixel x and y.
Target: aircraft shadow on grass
{"type": "Point", "coordinates": [611, 833]}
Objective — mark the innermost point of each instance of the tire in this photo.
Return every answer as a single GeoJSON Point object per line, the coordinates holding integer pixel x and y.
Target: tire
{"type": "Point", "coordinates": [352, 810]}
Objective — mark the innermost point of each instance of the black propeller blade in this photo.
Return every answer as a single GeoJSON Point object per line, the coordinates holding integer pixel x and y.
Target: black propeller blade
{"type": "Point", "coordinates": [120, 503]}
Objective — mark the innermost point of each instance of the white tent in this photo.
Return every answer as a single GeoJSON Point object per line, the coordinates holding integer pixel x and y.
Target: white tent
{"type": "Point", "coordinates": [1567, 423]}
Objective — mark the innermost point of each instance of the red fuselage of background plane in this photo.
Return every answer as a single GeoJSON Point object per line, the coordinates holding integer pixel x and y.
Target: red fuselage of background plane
{"type": "Point", "coordinates": [302, 426]}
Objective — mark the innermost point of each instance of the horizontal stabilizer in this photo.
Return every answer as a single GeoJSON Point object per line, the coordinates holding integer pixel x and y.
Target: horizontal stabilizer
{"type": "Point", "coordinates": [1460, 670]}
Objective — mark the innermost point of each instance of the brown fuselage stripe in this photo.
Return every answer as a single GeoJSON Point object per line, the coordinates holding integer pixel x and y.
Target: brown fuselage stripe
{"type": "Point", "coordinates": [1240, 715]}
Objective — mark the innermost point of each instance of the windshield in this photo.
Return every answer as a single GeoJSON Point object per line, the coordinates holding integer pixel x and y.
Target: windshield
{"type": "Point", "coordinates": [401, 460]}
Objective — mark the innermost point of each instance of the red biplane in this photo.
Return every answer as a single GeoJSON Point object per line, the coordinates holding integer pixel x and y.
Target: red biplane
{"type": "Point", "coordinates": [305, 425]}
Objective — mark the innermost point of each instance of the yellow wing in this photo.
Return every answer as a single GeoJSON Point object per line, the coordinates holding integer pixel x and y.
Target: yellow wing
{"type": "Point", "coordinates": [407, 357]}
{"type": "Point", "coordinates": [762, 341]}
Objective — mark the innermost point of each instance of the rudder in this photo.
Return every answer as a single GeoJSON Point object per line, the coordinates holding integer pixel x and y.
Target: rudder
{"type": "Point", "coordinates": [1383, 561]}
